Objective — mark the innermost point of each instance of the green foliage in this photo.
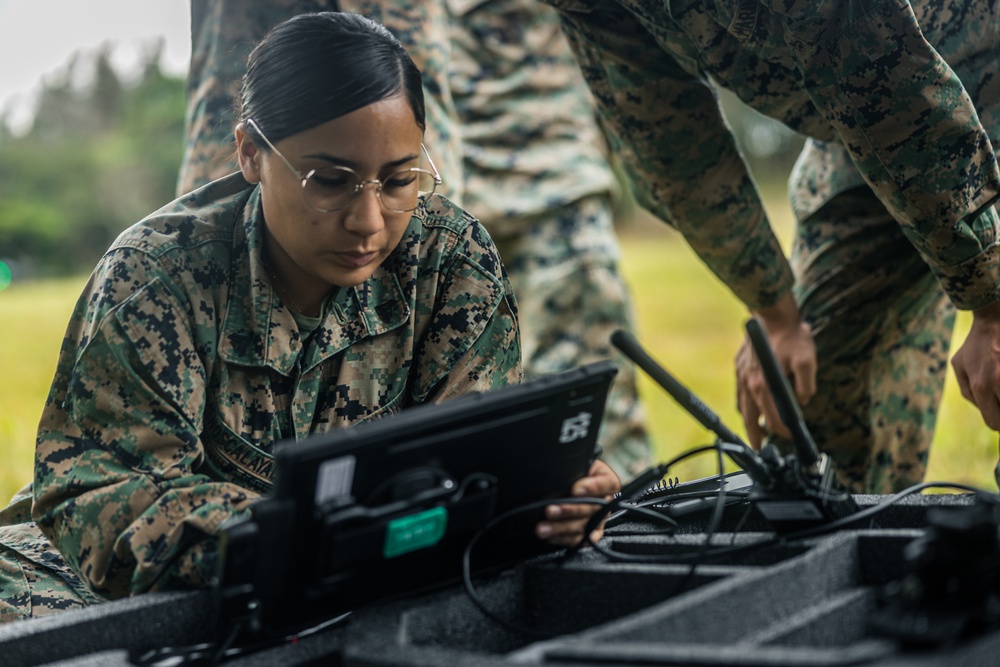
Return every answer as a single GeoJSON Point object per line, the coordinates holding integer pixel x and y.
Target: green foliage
{"type": "Point", "coordinates": [95, 160]}
{"type": "Point", "coordinates": [22, 222]}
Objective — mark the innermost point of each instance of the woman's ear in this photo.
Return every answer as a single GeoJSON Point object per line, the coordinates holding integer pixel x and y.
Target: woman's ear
{"type": "Point", "coordinates": [248, 155]}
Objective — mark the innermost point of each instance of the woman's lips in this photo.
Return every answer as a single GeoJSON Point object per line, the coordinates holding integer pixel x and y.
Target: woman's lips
{"type": "Point", "coordinates": [356, 259]}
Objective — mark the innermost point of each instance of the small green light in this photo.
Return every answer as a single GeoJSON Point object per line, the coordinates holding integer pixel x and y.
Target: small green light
{"type": "Point", "coordinates": [5, 276]}
{"type": "Point", "coordinates": [416, 531]}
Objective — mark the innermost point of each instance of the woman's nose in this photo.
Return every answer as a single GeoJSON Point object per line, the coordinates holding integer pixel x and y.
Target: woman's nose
{"type": "Point", "coordinates": [364, 214]}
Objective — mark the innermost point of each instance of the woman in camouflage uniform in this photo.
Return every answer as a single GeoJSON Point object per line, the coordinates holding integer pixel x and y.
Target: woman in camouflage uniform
{"type": "Point", "coordinates": [285, 300]}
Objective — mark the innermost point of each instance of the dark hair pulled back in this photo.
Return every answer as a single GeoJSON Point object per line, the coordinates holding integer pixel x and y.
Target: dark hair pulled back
{"type": "Point", "coordinates": [317, 67]}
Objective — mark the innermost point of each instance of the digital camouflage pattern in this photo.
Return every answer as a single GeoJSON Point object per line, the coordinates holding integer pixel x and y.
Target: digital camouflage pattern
{"type": "Point", "coordinates": [900, 100]}
{"type": "Point", "coordinates": [530, 140]}
{"type": "Point", "coordinates": [499, 76]}
{"type": "Point", "coordinates": [882, 326]}
{"type": "Point", "coordinates": [537, 176]}
{"type": "Point", "coordinates": [224, 32]}
{"type": "Point", "coordinates": [181, 368]}
{"type": "Point", "coordinates": [34, 579]}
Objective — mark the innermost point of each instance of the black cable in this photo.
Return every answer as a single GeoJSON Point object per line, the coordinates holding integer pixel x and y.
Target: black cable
{"type": "Point", "coordinates": [672, 498]}
{"type": "Point", "coordinates": [671, 532]}
{"type": "Point", "coordinates": [651, 505]}
{"type": "Point", "coordinates": [645, 510]}
{"type": "Point", "coordinates": [467, 555]}
{"type": "Point", "coordinates": [649, 508]}
{"type": "Point", "coordinates": [492, 523]}
{"type": "Point", "coordinates": [714, 521]}
{"type": "Point", "coordinates": [798, 535]}
{"type": "Point", "coordinates": [640, 483]}
{"type": "Point", "coordinates": [876, 509]}
{"type": "Point", "coordinates": [720, 503]}
{"type": "Point", "coordinates": [739, 524]}
{"type": "Point", "coordinates": [226, 645]}
{"type": "Point", "coordinates": [713, 525]}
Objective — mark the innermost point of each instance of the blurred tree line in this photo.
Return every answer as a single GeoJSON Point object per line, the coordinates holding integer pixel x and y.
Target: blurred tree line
{"type": "Point", "coordinates": [96, 158]}
{"type": "Point", "coordinates": [101, 155]}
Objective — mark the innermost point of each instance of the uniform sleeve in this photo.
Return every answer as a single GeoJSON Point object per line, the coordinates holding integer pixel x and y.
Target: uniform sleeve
{"type": "Point", "coordinates": [493, 360]}
{"type": "Point", "coordinates": [684, 167]}
{"type": "Point", "coordinates": [472, 342]}
{"type": "Point", "coordinates": [117, 487]}
{"type": "Point", "coordinates": [912, 131]}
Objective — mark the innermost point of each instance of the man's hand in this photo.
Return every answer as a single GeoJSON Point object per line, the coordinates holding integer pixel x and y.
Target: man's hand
{"type": "Point", "coordinates": [792, 342]}
{"type": "Point", "coordinates": [564, 524]}
{"type": "Point", "coordinates": [977, 364]}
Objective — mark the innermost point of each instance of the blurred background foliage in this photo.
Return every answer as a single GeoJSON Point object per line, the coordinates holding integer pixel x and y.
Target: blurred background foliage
{"type": "Point", "coordinates": [100, 153]}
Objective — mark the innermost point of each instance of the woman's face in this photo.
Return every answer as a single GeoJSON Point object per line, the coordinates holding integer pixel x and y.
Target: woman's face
{"type": "Point", "coordinates": [315, 251]}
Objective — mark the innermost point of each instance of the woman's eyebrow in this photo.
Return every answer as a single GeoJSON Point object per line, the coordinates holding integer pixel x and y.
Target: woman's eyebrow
{"type": "Point", "coordinates": [343, 162]}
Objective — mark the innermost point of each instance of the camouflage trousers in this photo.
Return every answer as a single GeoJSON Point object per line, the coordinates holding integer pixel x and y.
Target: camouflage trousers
{"type": "Point", "coordinates": [34, 579]}
{"type": "Point", "coordinates": [882, 327]}
{"type": "Point", "coordinates": [570, 297]}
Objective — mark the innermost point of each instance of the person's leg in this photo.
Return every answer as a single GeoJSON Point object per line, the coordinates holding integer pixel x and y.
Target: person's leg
{"type": "Point", "coordinates": [882, 327]}
{"type": "Point", "coordinates": [34, 579]}
{"type": "Point", "coordinates": [223, 32]}
{"type": "Point", "coordinates": [908, 373]}
{"type": "Point", "coordinates": [570, 299]}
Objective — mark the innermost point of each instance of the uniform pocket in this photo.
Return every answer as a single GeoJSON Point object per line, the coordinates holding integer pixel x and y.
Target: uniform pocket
{"type": "Point", "coordinates": [15, 593]}
{"type": "Point", "coordinates": [34, 579]}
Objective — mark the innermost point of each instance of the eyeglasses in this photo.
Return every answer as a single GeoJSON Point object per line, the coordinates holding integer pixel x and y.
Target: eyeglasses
{"type": "Point", "coordinates": [332, 188]}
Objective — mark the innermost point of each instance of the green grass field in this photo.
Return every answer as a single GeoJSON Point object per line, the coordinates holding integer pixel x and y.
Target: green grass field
{"type": "Point", "coordinates": [685, 318]}
{"type": "Point", "coordinates": [33, 317]}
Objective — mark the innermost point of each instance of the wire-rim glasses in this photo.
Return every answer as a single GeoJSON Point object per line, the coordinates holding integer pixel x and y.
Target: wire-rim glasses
{"type": "Point", "coordinates": [333, 188]}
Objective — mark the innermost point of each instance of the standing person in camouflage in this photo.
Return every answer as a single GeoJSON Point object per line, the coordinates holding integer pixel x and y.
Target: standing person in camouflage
{"type": "Point", "coordinates": [537, 177]}
{"type": "Point", "coordinates": [502, 78]}
{"type": "Point", "coordinates": [284, 300]}
{"type": "Point", "coordinates": [894, 195]}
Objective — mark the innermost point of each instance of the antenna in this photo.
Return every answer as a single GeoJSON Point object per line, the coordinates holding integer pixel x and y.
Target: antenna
{"type": "Point", "coordinates": [738, 450]}
{"type": "Point", "coordinates": [807, 491]}
{"type": "Point", "coordinates": [784, 398]}
{"type": "Point", "coordinates": [793, 492]}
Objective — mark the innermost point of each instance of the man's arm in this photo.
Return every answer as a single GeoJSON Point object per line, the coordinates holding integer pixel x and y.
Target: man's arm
{"type": "Point", "coordinates": [666, 125]}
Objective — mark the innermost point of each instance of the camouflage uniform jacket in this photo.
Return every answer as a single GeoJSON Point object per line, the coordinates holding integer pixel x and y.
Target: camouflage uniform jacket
{"type": "Point", "coordinates": [181, 369]}
{"type": "Point", "coordinates": [866, 75]}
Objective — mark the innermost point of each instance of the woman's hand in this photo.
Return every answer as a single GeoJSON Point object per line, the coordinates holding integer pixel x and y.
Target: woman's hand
{"type": "Point", "coordinates": [564, 524]}
{"type": "Point", "coordinates": [792, 342]}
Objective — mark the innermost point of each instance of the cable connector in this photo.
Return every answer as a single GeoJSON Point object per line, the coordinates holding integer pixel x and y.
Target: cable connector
{"type": "Point", "coordinates": [642, 482]}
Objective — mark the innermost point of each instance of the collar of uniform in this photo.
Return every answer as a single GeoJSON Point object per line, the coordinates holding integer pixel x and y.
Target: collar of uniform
{"type": "Point", "coordinates": [350, 315]}
{"type": "Point", "coordinates": [258, 330]}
